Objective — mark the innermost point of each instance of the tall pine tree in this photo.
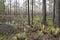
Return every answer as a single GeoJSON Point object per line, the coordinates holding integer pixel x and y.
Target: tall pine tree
{"type": "Point", "coordinates": [28, 14]}
{"type": "Point", "coordinates": [44, 13]}
{"type": "Point", "coordinates": [57, 11]}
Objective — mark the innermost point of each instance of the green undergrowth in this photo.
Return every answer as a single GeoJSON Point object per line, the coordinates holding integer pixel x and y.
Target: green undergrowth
{"type": "Point", "coordinates": [37, 23]}
{"type": "Point", "coordinates": [21, 35]}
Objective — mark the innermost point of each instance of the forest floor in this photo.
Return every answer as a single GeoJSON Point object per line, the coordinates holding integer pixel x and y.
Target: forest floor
{"type": "Point", "coordinates": [29, 33]}
{"type": "Point", "coordinates": [26, 32]}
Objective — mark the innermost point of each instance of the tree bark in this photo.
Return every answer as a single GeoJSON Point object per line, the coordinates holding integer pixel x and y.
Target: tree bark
{"type": "Point", "coordinates": [28, 14]}
{"type": "Point", "coordinates": [44, 13]}
{"type": "Point", "coordinates": [32, 12]}
{"type": "Point", "coordinates": [10, 8]}
{"type": "Point", "coordinates": [57, 11]}
{"type": "Point", "coordinates": [54, 12]}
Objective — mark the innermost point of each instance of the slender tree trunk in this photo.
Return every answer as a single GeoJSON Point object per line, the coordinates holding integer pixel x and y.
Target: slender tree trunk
{"type": "Point", "coordinates": [16, 7]}
{"type": "Point", "coordinates": [4, 7]}
{"type": "Point", "coordinates": [57, 11]}
{"type": "Point", "coordinates": [57, 16]}
{"type": "Point", "coordinates": [44, 13]}
{"type": "Point", "coordinates": [54, 12]}
{"type": "Point", "coordinates": [28, 14]}
{"type": "Point", "coordinates": [10, 7]}
{"type": "Point", "coordinates": [32, 12]}
{"type": "Point", "coordinates": [10, 10]}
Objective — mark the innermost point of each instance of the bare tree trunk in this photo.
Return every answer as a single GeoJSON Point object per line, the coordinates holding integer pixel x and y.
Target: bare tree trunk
{"type": "Point", "coordinates": [28, 14]}
{"type": "Point", "coordinates": [10, 7]}
{"type": "Point", "coordinates": [54, 12]}
{"type": "Point", "coordinates": [32, 12]}
{"type": "Point", "coordinates": [57, 16]}
{"type": "Point", "coordinates": [44, 13]}
{"type": "Point", "coordinates": [16, 7]}
{"type": "Point", "coordinates": [57, 7]}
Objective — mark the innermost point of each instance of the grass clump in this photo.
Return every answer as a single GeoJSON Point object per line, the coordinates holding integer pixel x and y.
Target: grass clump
{"type": "Point", "coordinates": [40, 34]}
{"type": "Point", "coordinates": [21, 35]}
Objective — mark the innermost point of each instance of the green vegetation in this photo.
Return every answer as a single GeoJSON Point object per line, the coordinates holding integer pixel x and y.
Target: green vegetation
{"type": "Point", "coordinates": [21, 35]}
{"type": "Point", "coordinates": [40, 34]}
{"type": "Point", "coordinates": [37, 23]}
